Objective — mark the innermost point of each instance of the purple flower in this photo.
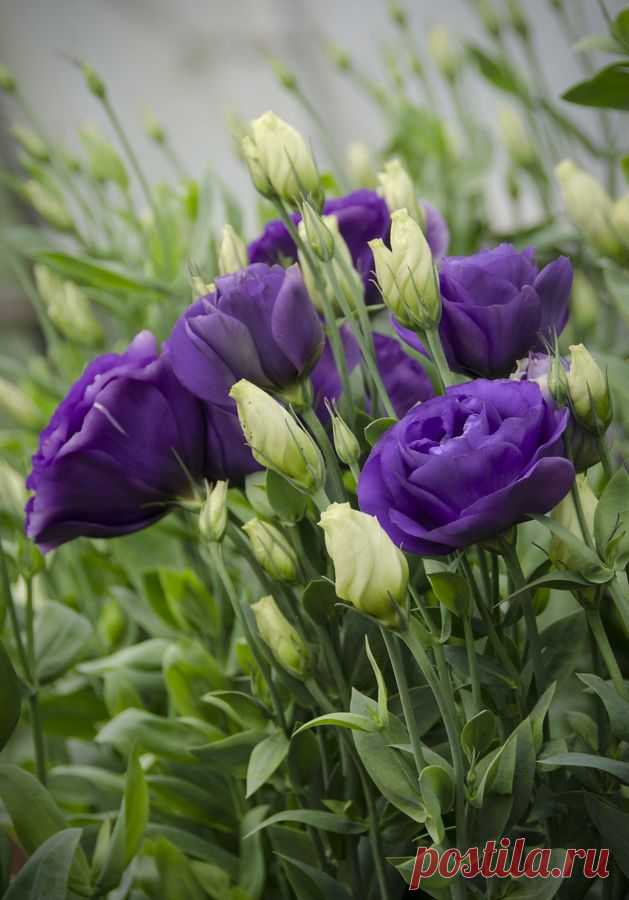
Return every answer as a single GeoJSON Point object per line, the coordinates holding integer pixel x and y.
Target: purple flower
{"type": "Point", "coordinates": [362, 216]}
{"type": "Point", "coordinates": [258, 324]}
{"type": "Point", "coordinates": [463, 467]}
{"type": "Point", "coordinates": [120, 449]}
{"type": "Point", "coordinates": [583, 447]}
{"type": "Point", "coordinates": [497, 306]}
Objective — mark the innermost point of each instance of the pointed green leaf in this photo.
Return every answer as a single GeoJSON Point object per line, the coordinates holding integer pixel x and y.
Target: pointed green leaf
{"type": "Point", "coordinates": [265, 759]}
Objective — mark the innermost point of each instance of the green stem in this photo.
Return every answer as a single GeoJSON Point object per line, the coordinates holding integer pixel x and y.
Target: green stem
{"type": "Point", "coordinates": [453, 731]}
{"type": "Point", "coordinates": [593, 616]}
{"type": "Point", "coordinates": [578, 506]}
{"type": "Point", "coordinates": [321, 500]}
{"type": "Point", "coordinates": [603, 451]}
{"type": "Point", "coordinates": [8, 593]}
{"type": "Point", "coordinates": [333, 471]}
{"type": "Point", "coordinates": [33, 700]}
{"type": "Point", "coordinates": [472, 662]}
{"type": "Point", "coordinates": [530, 619]}
{"type": "Point", "coordinates": [397, 664]}
{"type": "Point", "coordinates": [435, 347]}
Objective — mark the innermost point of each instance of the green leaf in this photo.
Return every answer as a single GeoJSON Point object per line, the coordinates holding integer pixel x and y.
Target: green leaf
{"type": "Point", "coordinates": [341, 720]}
{"type": "Point", "coordinates": [611, 520]}
{"type": "Point", "coordinates": [451, 589]}
{"type": "Point", "coordinates": [375, 430]}
{"type": "Point", "coordinates": [617, 707]}
{"type": "Point", "coordinates": [171, 738]}
{"type": "Point", "coordinates": [47, 873]}
{"type": "Point", "coordinates": [321, 885]}
{"type": "Point", "coordinates": [498, 71]}
{"type": "Point", "coordinates": [479, 733]}
{"type": "Point", "coordinates": [582, 560]}
{"type": "Point", "coordinates": [324, 821]}
{"type": "Point", "coordinates": [178, 798]}
{"type": "Point", "coordinates": [61, 638]}
{"type": "Point", "coordinates": [196, 847]}
{"type": "Point", "coordinates": [608, 89]}
{"type": "Point", "coordinates": [565, 645]}
{"type": "Point", "coordinates": [176, 876]}
{"type": "Point", "coordinates": [71, 709]}
{"type": "Point", "coordinates": [287, 502]}
{"type": "Point", "coordinates": [147, 655]}
{"type": "Point", "coordinates": [95, 274]}
{"type": "Point", "coordinates": [496, 772]}
{"type": "Point", "coordinates": [538, 715]}
{"type": "Point", "coordinates": [558, 581]}
{"type": "Point", "coordinates": [10, 697]}
{"type": "Point", "coordinates": [319, 600]}
{"type": "Point", "coordinates": [438, 795]}
{"type": "Point", "coordinates": [383, 694]}
{"type": "Point", "coordinates": [620, 27]}
{"type": "Point", "coordinates": [265, 759]}
{"type": "Point", "coordinates": [613, 767]}
{"type": "Point", "coordinates": [252, 874]}
{"type": "Point", "coordinates": [613, 826]}
{"type": "Point", "coordinates": [190, 672]}
{"type": "Point", "coordinates": [230, 755]}
{"type": "Point", "coordinates": [243, 709]}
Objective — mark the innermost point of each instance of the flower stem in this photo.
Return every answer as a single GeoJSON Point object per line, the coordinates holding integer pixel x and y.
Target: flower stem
{"type": "Point", "coordinates": [472, 662]}
{"type": "Point", "coordinates": [594, 620]}
{"type": "Point", "coordinates": [431, 336]}
{"type": "Point", "coordinates": [334, 473]}
{"type": "Point", "coordinates": [583, 525]}
{"type": "Point", "coordinates": [530, 619]}
{"type": "Point", "coordinates": [397, 664]}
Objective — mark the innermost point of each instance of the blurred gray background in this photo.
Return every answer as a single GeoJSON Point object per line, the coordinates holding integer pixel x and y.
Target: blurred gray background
{"type": "Point", "coordinates": [192, 62]}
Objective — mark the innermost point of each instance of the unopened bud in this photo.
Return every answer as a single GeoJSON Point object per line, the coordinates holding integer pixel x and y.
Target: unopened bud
{"type": "Point", "coordinates": [620, 219]}
{"type": "Point", "coordinates": [104, 162]}
{"type": "Point", "coordinates": [345, 278]}
{"type": "Point", "coordinates": [279, 160]}
{"type": "Point", "coordinates": [339, 57]}
{"type": "Point", "coordinates": [272, 550]}
{"type": "Point", "coordinates": [232, 252]}
{"type": "Point", "coordinates": [213, 514]}
{"type": "Point", "coordinates": [517, 19]}
{"type": "Point", "coordinates": [345, 442]}
{"type": "Point", "coordinates": [566, 515]}
{"type": "Point", "coordinates": [588, 391]}
{"type": "Point", "coordinates": [359, 165]}
{"type": "Point", "coordinates": [406, 274]}
{"type": "Point", "coordinates": [489, 17]}
{"type": "Point", "coordinates": [12, 491]}
{"type": "Point", "coordinates": [590, 208]}
{"type": "Point", "coordinates": [68, 307]}
{"type": "Point", "coordinates": [370, 572]}
{"type": "Point", "coordinates": [8, 83]}
{"type": "Point", "coordinates": [200, 288]}
{"type": "Point", "coordinates": [443, 51]}
{"type": "Point", "coordinates": [584, 304]}
{"type": "Point", "coordinates": [48, 205]}
{"type": "Point", "coordinates": [286, 78]}
{"type": "Point", "coordinates": [398, 190]}
{"type": "Point", "coordinates": [284, 641]}
{"type": "Point", "coordinates": [153, 128]}
{"type": "Point", "coordinates": [316, 233]}
{"type": "Point", "coordinates": [516, 138]}
{"type": "Point", "coordinates": [276, 439]}
{"type": "Point", "coordinates": [18, 405]}
{"type": "Point", "coordinates": [31, 142]}
{"type": "Point", "coordinates": [94, 82]}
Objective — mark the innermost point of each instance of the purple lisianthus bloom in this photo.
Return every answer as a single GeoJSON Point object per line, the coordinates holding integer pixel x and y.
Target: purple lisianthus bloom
{"type": "Point", "coordinates": [362, 216]}
{"type": "Point", "coordinates": [583, 446]}
{"type": "Point", "coordinates": [466, 466]}
{"type": "Point", "coordinates": [497, 306]}
{"type": "Point", "coordinates": [126, 443]}
{"type": "Point", "coordinates": [258, 324]}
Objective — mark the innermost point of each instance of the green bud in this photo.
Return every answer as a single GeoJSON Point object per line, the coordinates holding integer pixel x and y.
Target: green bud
{"type": "Point", "coordinates": [286, 78]}
{"type": "Point", "coordinates": [200, 288]}
{"type": "Point", "coordinates": [565, 514]}
{"type": "Point", "coordinates": [13, 494]}
{"type": "Point", "coordinates": [360, 166]}
{"type": "Point", "coordinates": [397, 14]}
{"type": "Point", "coordinates": [68, 307]}
{"type": "Point", "coordinates": [94, 82]}
{"type": "Point", "coordinates": [620, 219]}
{"type": "Point", "coordinates": [370, 572]}
{"type": "Point", "coordinates": [276, 439]}
{"type": "Point", "coordinates": [398, 190]}
{"type": "Point", "coordinates": [444, 53]}
{"type": "Point", "coordinates": [30, 559]}
{"type": "Point", "coordinates": [588, 391]}
{"type": "Point", "coordinates": [517, 19]}
{"type": "Point", "coordinates": [339, 57]}
{"type": "Point", "coordinates": [590, 208]}
{"type": "Point", "coordinates": [153, 128]}
{"type": "Point", "coordinates": [104, 162]}
{"type": "Point", "coordinates": [489, 17]}
{"type": "Point", "coordinates": [346, 278]}
{"type": "Point", "coordinates": [584, 304]}
{"type": "Point", "coordinates": [31, 142]}
{"type": "Point", "coordinates": [8, 83]}
{"type": "Point", "coordinates": [516, 138]}
{"type": "Point", "coordinates": [279, 160]}
{"type": "Point", "coordinates": [232, 251]}
{"type": "Point", "coordinates": [345, 442]}
{"type": "Point", "coordinates": [406, 274]}
{"type": "Point", "coordinates": [284, 641]}
{"type": "Point", "coordinates": [213, 514]}
{"type": "Point", "coordinates": [18, 405]}
{"type": "Point", "coordinates": [48, 205]}
{"type": "Point", "coordinates": [317, 234]}
{"type": "Point", "coordinates": [272, 550]}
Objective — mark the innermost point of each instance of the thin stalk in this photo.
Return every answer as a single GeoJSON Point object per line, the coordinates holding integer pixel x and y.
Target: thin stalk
{"type": "Point", "coordinates": [530, 619]}
{"type": "Point", "coordinates": [439, 358]}
{"type": "Point", "coordinates": [603, 451]}
{"type": "Point", "coordinates": [397, 664]}
{"type": "Point", "coordinates": [321, 500]}
{"type": "Point", "coordinates": [332, 464]}
{"type": "Point", "coordinates": [472, 662]}
{"type": "Point", "coordinates": [33, 700]}
{"type": "Point", "coordinates": [8, 593]}
{"type": "Point", "coordinates": [583, 525]}
{"type": "Point", "coordinates": [453, 731]}
{"type": "Point", "coordinates": [593, 616]}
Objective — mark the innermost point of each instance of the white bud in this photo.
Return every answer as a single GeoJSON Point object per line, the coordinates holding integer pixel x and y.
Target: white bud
{"type": "Point", "coordinates": [360, 165]}
{"type": "Point", "coordinates": [345, 442]}
{"type": "Point", "coordinates": [344, 275]}
{"type": "Point", "coordinates": [406, 274]}
{"type": "Point", "coordinates": [18, 405]}
{"type": "Point", "coordinates": [281, 637]}
{"type": "Point", "coordinates": [31, 142]}
{"type": "Point", "coordinates": [516, 138]}
{"type": "Point", "coordinates": [588, 390]}
{"type": "Point", "coordinates": [68, 307]}
{"type": "Point", "coordinates": [443, 51]}
{"type": "Point", "coordinates": [279, 160]}
{"type": "Point", "coordinates": [370, 571]}
{"type": "Point", "coordinates": [590, 208]}
{"type": "Point", "coordinates": [213, 514]}
{"type": "Point", "coordinates": [276, 439]}
{"type": "Point", "coordinates": [232, 251]}
{"type": "Point", "coordinates": [49, 205]}
{"type": "Point", "coordinates": [104, 162]}
{"type": "Point", "coordinates": [272, 550]}
{"type": "Point", "coordinates": [200, 288]}
{"type": "Point", "coordinates": [316, 233]}
{"type": "Point", "coordinates": [398, 190]}
{"type": "Point", "coordinates": [12, 491]}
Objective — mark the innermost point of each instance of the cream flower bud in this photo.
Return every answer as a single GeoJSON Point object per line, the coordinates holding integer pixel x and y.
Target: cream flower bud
{"type": "Point", "coordinates": [359, 165]}
{"type": "Point", "coordinates": [200, 288]}
{"type": "Point", "coordinates": [68, 307]}
{"type": "Point", "coordinates": [31, 142]}
{"type": "Point", "coordinates": [232, 252]}
{"type": "Point", "coordinates": [406, 273]}
{"type": "Point", "coordinates": [588, 390]}
{"type": "Point", "coordinates": [398, 190]}
{"type": "Point", "coordinates": [213, 513]}
{"type": "Point", "coordinates": [153, 128]}
{"type": "Point", "coordinates": [279, 160]}
{"type": "Point", "coordinates": [371, 573]}
{"type": "Point", "coordinates": [590, 208]}
{"type": "Point", "coordinates": [516, 138]}
{"type": "Point", "coordinates": [13, 494]}
{"type": "Point", "coordinates": [276, 439]}
{"type": "Point", "coordinates": [344, 276]}
{"type": "Point", "coordinates": [345, 442]}
{"type": "Point", "coordinates": [104, 162]}
{"type": "Point", "coordinates": [49, 205]}
{"type": "Point", "coordinates": [94, 82]}
{"type": "Point", "coordinates": [18, 405]}
{"type": "Point", "coordinates": [565, 514]}
{"type": "Point", "coordinates": [284, 641]}
{"type": "Point", "coordinates": [584, 304]}
{"type": "Point", "coordinates": [443, 52]}
{"type": "Point", "coordinates": [620, 219]}
{"type": "Point", "coordinates": [316, 233]}
{"type": "Point", "coordinates": [272, 550]}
